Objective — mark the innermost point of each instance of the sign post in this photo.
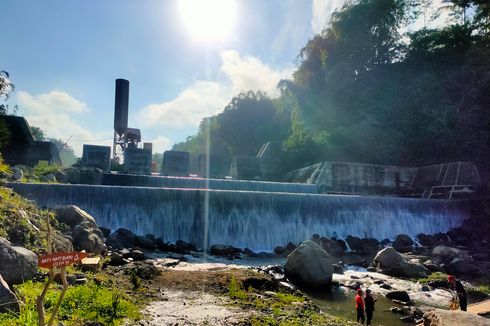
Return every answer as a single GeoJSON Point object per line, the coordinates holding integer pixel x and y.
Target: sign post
{"type": "Point", "coordinates": [52, 261]}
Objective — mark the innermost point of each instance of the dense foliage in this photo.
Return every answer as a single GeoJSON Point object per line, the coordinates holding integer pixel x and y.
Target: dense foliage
{"type": "Point", "coordinates": [366, 90]}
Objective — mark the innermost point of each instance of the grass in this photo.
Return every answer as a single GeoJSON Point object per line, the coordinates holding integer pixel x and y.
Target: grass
{"type": "Point", "coordinates": [436, 276]}
{"type": "Point", "coordinates": [278, 308]}
{"type": "Point", "coordinates": [94, 302]}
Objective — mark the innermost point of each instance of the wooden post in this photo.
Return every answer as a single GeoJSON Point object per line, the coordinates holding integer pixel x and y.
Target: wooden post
{"type": "Point", "coordinates": [63, 291]}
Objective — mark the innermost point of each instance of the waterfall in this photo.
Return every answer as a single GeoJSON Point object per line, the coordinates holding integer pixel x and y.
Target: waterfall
{"type": "Point", "coordinates": [249, 219]}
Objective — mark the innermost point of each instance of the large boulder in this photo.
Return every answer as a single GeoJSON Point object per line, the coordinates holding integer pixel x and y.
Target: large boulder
{"type": "Point", "coordinates": [355, 243]}
{"type": "Point", "coordinates": [124, 238]}
{"type": "Point", "coordinates": [403, 243]}
{"type": "Point", "coordinates": [8, 300]}
{"type": "Point", "coordinates": [390, 262]}
{"type": "Point", "coordinates": [72, 215]}
{"type": "Point", "coordinates": [447, 254]}
{"type": "Point", "coordinates": [61, 242]}
{"type": "Point", "coordinates": [17, 264]}
{"type": "Point", "coordinates": [89, 239]}
{"type": "Point", "coordinates": [332, 247]}
{"type": "Point", "coordinates": [439, 317]}
{"type": "Point", "coordinates": [309, 265]}
{"type": "Point", "coordinates": [398, 295]}
{"type": "Point", "coordinates": [17, 173]}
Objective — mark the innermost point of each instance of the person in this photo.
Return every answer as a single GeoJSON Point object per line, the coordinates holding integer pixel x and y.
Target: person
{"type": "Point", "coordinates": [460, 291]}
{"type": "Point", "coordinates": [360, 306]}
{"type": "Point", "coordinates": [369, 301]}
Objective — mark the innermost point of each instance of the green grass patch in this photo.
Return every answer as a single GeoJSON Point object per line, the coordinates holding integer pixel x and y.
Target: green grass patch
{"type": "Point", "coordinates": [90, 302]}
{"type": "Point", "coordinates": [436, 276]}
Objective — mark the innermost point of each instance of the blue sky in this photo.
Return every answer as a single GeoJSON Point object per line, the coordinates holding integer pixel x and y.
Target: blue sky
{"type": "Point", "coordinates": [64, 55]}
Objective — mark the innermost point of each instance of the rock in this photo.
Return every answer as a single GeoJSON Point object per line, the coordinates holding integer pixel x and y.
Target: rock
{"type": "Point", "coordinates": [439, 317]}
{"type": "Point", "coordinates": [72, 215]}
{"type": "Point", "coordinates": [61, 176]}
{"type": "Point", "coordinates": [223, 250]}
{"type": "Point", "coordinates": [61, 242]}
{"type": "Point", "coordinates": [332, 247]}
{"type": "Point", "coordinates": [316, 239]}
{"type": "Point", "coordinates": [433, 240]}
{"type": "Point", "coordinates": [290, 247]}
{"type": "Point", "coordinates": [105, 231]}
{"type": "Point", "coordinates": [446, 254]}
{"type": "Point", "coordinates": [249, 252]}
{"type": "Point", "coordinates": [279, 250]}
{"type": "Point", "coordinates": [403, 243]}
{"type": "Point", "coordinates": [146, 270]}
{"type": "Point", "coordinates": [433, 266]}
{"type": "Point", "coordinates": [17, 174]}
{"type": "Point", "coordinates": [183, 247]}
{"type": "Point", "coordinates": [398, 295]}
{"type": "Point", "coordinates": [385, 286]}
{"type": "Point", "coordinates": [337, 269]}
{"type": "Point", "coordinates": [146, 242]}
{"type": "Point", "coordinates": [350, 258]}
{"type": "Point", "coordinates": [385, 242]}
{"type": "Point", "coordinates": [116, 259]}
{"type": "Point", "coordinates": [8, 301]}
{"type": "Point", "coordinates": [50, 177]}
{"type": "Point", "coordinates": [387, 258]}
{"type": "Point", "coordinates": [369, 246]}
{"type": "Point", "coordinates": [124, 238]}
{"type": "Point", "coordinates": [355, 243]}
{"type": "Point", "coordinates": [17, 264]}
{"type": "Point", "coordinates": [89, 239]}
{"type": "Point", "coordinates": [389, 261]}
{"type": "Point", "coordinates": [309, 265]}
{"type": "Point", "coordinates": [166, 247]}
{"type": "Point", "coordinates": [465, 267]}
{"type": "Point", "coordinates": [136, 255]}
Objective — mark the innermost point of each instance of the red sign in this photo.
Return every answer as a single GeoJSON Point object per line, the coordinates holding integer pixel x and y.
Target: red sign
{"type": "Point", "coordinates": [60, 259]}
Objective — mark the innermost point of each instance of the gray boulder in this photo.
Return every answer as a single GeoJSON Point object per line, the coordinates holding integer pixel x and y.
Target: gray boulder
{"type": "Point", "coordinates": [89, 239]}
{"type": "Point", "coordinates": [8, 300]}
{"type": "Point", "coordinates": [398, 295]}
{"type": "Point", "coordinates": [403, 243]}
{"type": "Point", "coordinates": [124, 238]}
{"type": "Point", "coordinates": [223, 250]}
{"type": "Point", "coordinates": [17, 174]}
{"type": "Point", "coordinates": [309, 265]}
{"type": "Point", "coordinates": [17, 264]}
{"type": "Point", "coordinates": [390, 262]}
{"type": "Point", "coordinates": [61, 242]}
{"type": "Point", "coordinates": [447, 254]}
{"type": "Point", "coordinates": [72, 215]}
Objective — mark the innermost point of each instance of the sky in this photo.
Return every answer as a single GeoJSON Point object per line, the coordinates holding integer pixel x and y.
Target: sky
{"type": "Point", "coordinates": [185, 60]}
{"type": "Point", "coordinates": [64, 56]}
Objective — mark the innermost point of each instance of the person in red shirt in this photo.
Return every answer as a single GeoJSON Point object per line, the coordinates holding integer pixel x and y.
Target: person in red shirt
{"type": "Point", "coordinates": [360, 306]}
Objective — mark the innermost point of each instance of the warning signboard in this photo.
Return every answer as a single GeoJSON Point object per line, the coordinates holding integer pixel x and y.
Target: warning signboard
{"type": "Point", "coordinates": [60, 259]}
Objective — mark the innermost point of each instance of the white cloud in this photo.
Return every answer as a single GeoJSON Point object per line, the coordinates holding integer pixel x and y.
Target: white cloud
{"type": "Point", "coordinates": [249, 73]}
{"type": "Point", "coordinates": [53, 113]}
{"type": "Point", "coordinates": [205, 98]}
{"type": "Point", "coordinates": [202, 99]}
{"type": "Point", "coordinates": [161, 144]}
{"type": "Point", "coordinates": [321, 12]}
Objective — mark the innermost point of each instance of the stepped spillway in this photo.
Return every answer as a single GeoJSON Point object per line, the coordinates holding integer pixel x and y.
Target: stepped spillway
{"type": "Point", "coordinates": [257, 220]}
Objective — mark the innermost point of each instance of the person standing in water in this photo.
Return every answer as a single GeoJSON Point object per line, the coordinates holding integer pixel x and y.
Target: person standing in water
{"type": "Point", "coordinates": [360, 306]}
{"type": "Point", "coordinates": [369, 301]}
{"type": "Point", "coordinates": [460, 291]}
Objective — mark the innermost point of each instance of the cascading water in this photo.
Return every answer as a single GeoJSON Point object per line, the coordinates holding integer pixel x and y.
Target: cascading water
{"type": "Point", "coordinates": [254, 219]}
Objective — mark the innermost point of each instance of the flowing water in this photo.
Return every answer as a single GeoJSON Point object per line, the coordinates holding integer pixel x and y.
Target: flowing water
{"type": "Point", "coordinates": [340, 301]}
{"type": "Point", "coordinates": [258, 220]}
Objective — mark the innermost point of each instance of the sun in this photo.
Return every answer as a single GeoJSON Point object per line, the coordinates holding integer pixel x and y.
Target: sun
{"type": "Point", "coordinates": [209, 20]}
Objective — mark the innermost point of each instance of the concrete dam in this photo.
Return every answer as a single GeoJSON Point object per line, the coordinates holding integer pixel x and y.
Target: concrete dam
{"type": "Point", "coordinates": [246, 214]}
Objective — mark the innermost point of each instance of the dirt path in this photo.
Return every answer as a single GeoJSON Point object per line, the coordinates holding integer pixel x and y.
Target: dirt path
{"type": "Point", "coordinates": [480, 308]}
{"type": "Point", "coordinates": [190, 308]}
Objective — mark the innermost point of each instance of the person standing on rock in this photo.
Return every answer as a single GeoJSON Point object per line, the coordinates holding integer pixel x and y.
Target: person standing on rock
{"type": "Point", "coordinates": [360, 306]}
{"type": "Point", "coordinates": [369, 301]}
{"type": "Point", "coordinates": [460, 291]}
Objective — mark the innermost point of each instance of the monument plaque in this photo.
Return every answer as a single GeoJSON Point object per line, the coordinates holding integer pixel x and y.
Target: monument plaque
{"type": "Point", "coordinates": [176, 163]}
{"type": "Point", "coordinates": [95, 156]}
{"type": "Point", "coordinates": [137, 161]}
